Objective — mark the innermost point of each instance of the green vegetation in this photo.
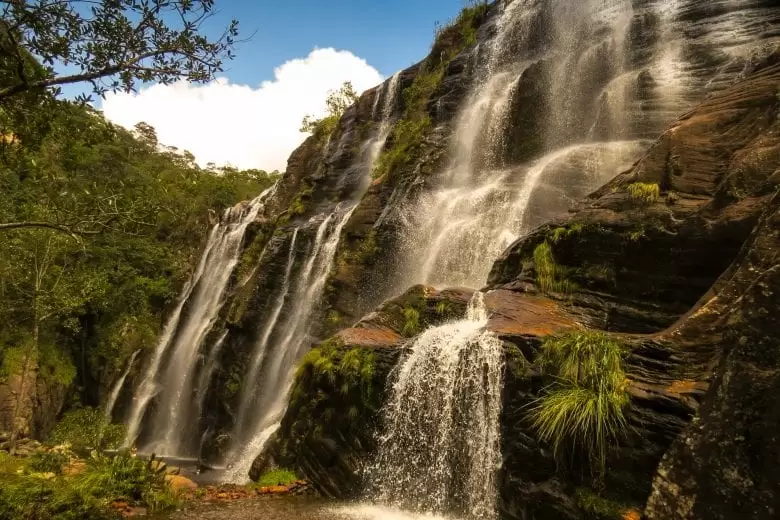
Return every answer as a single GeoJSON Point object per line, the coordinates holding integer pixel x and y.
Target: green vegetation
{"type": "Point", "coordinates": [443, 308]}
{"type": "Point", "coordinates": [336, 102]}
{"type": "Point", "coordinates": [86, 429]}
{"type": "Point", "coordinates": [550, 276]}
{"type": "Point", "coordinates": [99, 227]}
{"type": "Point", "coordinates": [86, 491]}
{"type": "Point", "coordinates": [637, 234]}
{"type": "Point", "coordinates": [408, 134]}
{"type": "Point", "coordinates": [411, 322]}
{"type": "Point", "coordinates": [333, 390]}
{"type": "Point", "coordinates": [277, 477]}
{"type": "Point", "coordinates": [344, 369]}
{"type": "Point", "coordinates": [583, 409]}
{"type": "Point", "coordinates": [363, 253]}
{"type": "Point", "coordinates": [643, 192]}
{"type": "Point", "coordinates": [112, 45]}
{"type": "Point", "coordinates": [598, 507]}
{"type": "Point", "coordinates": [563, 233]}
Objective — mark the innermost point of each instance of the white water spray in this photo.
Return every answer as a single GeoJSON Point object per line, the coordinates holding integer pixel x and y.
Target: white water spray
{"type": "Point", "coordinates": [440, 451]}
{"type": "Point", "coordinates": [172, 383]}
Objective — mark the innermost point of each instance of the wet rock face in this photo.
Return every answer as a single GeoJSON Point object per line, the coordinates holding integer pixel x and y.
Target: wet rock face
{"type": "Point", "coordinates": [329, 431]}
{"type": "Point", "coordinates": [638, 267]}
{"type": "Point", "coordinates": [691, 269]}
{"type": "Point", "coordinates": [711, 247]}
{"type": "Point", "coordinates": [724, 464]}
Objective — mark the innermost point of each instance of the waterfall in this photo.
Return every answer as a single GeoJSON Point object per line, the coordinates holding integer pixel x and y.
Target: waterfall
{"type": "Point", "coordinates": [276, 366]}
{"type": "Point", "coordinates": [481, 201]}
{"type": "Point", "coordinates": [114, 395]}
{"type": "Point", "coordinates": [249, 395]}
{"type": "Point", "coordinates": [170, 375]}
{"type": "Point", "coordinates": [440, 451]}
{"type": "Point", "coordinates": [389, 91]}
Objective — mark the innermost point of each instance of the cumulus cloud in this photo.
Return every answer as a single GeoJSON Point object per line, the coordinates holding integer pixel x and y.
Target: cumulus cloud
{"type": "Point", "coordinates": [239, 125]}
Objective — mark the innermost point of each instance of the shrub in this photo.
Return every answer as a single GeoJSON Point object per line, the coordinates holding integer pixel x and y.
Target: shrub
{"type": "Point", "coordinates": [87, 429]}
{"type": "Point", "coordinates": [584, 407]}
{"type": "Point", "coordinates": [644, 192]}
{"type": "Point", "coordinates": [49, 461]}
{"type": "Point", "coordinates": [88, 494]}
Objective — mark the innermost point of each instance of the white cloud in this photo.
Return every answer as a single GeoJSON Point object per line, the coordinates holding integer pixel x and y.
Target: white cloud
{"type": "Point", "coordinates": [237, 124]}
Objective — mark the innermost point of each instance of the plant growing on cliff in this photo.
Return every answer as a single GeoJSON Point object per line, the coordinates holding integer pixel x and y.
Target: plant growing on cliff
{"type": "Point", "coordinates": [336, 103]}
{"type": "Point", "coordinates": [277, 477]}
{"type": "Point", "coordinates": [550, 276]}
{"type": "Point", "coordinates": [408, 134]}
{"type": "Point", "coordinates": [411, 321]}
{"type": "Point", "coordinates": [644, 192]}
{"type": "Point", "coordinates": [583, 409]}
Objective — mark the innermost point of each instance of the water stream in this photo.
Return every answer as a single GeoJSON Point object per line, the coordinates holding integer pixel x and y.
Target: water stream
{"type": "Point", "coordinates": [170, 377]}
{"type": "Point", "coordinates": [266, 395]}
{"type": "Point", "coordinates": [440, 451]}
{"type": "Point", "coordinates": [114, 395]}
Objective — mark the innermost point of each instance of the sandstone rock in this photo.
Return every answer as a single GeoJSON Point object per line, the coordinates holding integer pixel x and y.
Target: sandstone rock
{"type": "Point", "coordinates": [180, 483]}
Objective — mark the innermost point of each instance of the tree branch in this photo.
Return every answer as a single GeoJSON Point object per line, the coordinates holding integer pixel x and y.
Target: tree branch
{"type": "Point", "coordinates": [7, 226]}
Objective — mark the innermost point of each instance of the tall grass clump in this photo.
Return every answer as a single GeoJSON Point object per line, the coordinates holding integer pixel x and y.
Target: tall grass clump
{"type": "Point", "coordinates": [582, 411]}
{"type": "Point", "coordinates": [644, 192]}
{"type": "Point", "coordinates": [550, 276]}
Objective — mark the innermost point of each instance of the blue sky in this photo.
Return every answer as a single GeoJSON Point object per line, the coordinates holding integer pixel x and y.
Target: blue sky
{"type": "Point", "coordinates": [389, 35]}
{"type": "Point", "coordinates": [250, 117]}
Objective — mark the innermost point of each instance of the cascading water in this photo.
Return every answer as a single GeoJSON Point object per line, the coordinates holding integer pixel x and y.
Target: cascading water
{"type": "Point", "coordinates": [266, 394]}
{"type": "Point", "coordinates": [170, 375]}
{"type": "Point", "coordinates": [114, 395]}
{"type": "Point", "coordinates": [389, 91]}
{"type": "Point", "coordinates": [592, 128]}
{"type": "Point", "coordinates": [440, 451]}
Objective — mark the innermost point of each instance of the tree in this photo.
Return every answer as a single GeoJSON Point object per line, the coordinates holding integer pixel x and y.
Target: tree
{"type": "Point", "coordinates": [42, 286]}
{"type": "Point", "coordinates": [336, 102]}
{"type": "Point", "coordinates": [112, 44]}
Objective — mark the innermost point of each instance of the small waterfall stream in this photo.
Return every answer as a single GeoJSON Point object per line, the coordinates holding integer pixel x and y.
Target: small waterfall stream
{"type": "Point", "coordinates": [440, 451]}
{"type": "Point", "coordinates": [114, 395]}
{"type": "Point", "coordinates": [264, 398]}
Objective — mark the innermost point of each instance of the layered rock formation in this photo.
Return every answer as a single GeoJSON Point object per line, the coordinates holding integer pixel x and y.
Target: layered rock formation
{"type": "Point", "coordinates": [688, 274]}
{"type": "Point", "coordinates": [520, 108]}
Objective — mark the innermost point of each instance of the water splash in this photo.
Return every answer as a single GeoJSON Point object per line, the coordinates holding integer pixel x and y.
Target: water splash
{"type": "Point", "coordinates": [440, 451]}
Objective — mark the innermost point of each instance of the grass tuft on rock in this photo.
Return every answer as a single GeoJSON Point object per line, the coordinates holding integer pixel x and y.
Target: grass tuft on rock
{"type": "Point", "coordinates": [277, 477]}
{"type": "Point", "coordinates": [550, 276]}
{"type": "Point", "coordinates": [411, 322]}
{"type": "Point", "coordinates": [583, 409]}
{"type": "Point", "coordinates": [644, 192]}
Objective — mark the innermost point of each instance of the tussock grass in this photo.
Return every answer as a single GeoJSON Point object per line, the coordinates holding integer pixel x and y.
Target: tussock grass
{"type": "Point", "coordinates": [644, 192]}
{"type": "Point", "coordinates": [550, 276]}
{"type": "Point", "coordinates": [411, 322]}
{"type": "Point", "coordinates": [584, 407]}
